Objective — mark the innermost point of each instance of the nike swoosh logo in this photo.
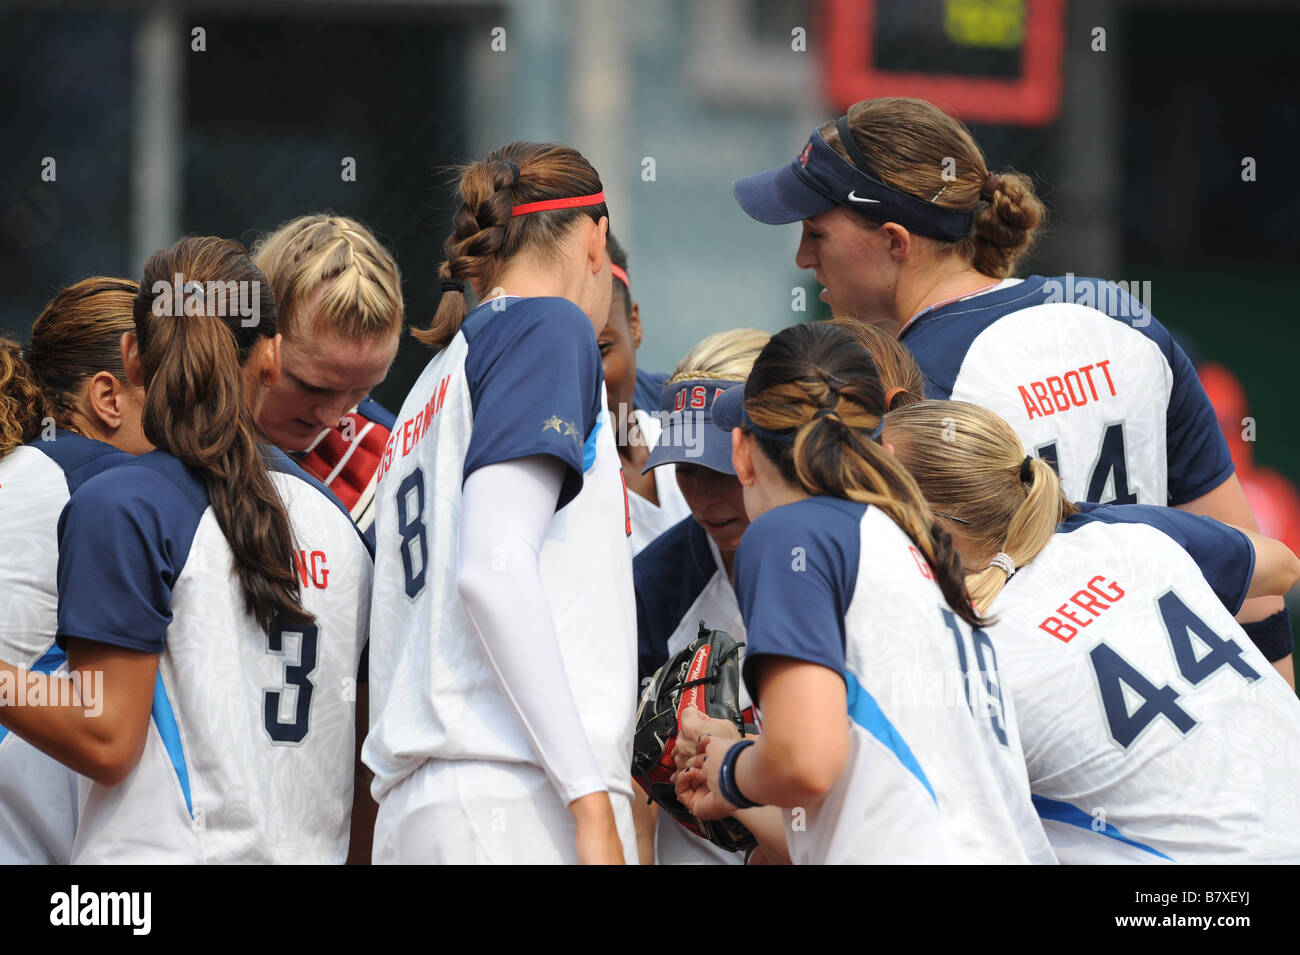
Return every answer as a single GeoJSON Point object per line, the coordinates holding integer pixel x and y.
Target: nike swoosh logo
{"type": "Point", "coordinates": [854, 198]}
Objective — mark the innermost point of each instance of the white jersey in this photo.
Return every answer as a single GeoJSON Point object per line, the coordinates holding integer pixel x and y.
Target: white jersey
{"type": "Point", "coordinates": [1089, 380]}
{"type": "Point", "coordinates": [1154, 730]}
{"type": "Point", "coordinates": [250, 754]}
{"type": "Point", "coordinates": [38, 795]}
{"type": "Point", "coordinates": [649, 520]}
{"type": "Point", "coordinates": [935, 772]}
{"type": "Point", "coordinates": [522, 377]}
{"type": "Point", "coordinates": [681, 582]}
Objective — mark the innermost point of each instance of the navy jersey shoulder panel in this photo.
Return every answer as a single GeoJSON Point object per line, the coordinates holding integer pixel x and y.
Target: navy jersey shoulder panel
{"type": "Point", "coordinates": [124, 539]}
{"type": "Point", "coordinates": [277, 460]}
{"type": "Point", "coordinates": [795, 575]}
{"type": "Point", "coordinates": [372, 410]}
{"type": "Point", "coordinates": [1197, 453]}
{"type": "Point", "coordinates": [1225, 556]}
{"type": "Point", "coordinates": [669, 575]}
{"type": "Point", "coordinates": [79, 457]}
{"type": "Point", "coordinates": [649, 391]}
{"type": "Point", "coordinates": [939, 344]}
{"type": "Point", "coordinates": [534, 376]}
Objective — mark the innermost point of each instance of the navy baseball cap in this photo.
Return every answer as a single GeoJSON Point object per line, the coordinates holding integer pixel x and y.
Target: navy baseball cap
{"type": "Point", "coordinates": [688, 435]}
{"type": "Point", "coordinates": [821, 179]}
{"type": "Point", "coordinates": [729, 413]}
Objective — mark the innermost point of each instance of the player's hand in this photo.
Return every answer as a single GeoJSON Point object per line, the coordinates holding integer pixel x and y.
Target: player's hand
{"type": "Point", "coordinates": [697, 785]}
{"type": "Point", "coordinates": [695, 724]}
{"type": "Point", "coordinates": [597, 841]}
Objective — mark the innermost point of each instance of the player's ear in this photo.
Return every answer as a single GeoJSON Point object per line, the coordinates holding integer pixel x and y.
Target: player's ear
{"type": "Point", "coordinates": [596, 257]}
{"type": "Point", "coordinates": [268, 361]}
{"type": "Point", "coordinates": [131, 359]}
{"type": "Point", "coordinates": [742, 457]}
{"type": "Point", "coordinates": [634, 323]}
{"type": "Point", "coordinates": [900, 240]}
{"type": "Point", "coordinates": [104, 396]}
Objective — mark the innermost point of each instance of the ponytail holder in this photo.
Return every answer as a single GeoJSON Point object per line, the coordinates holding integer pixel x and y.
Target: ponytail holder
{"type": "Point", "coordinates": [827, 413]}
{"type": "Point", "coordinates": [1027, 470]}
{"type": "Point", "coordinates": [891, 394]}
{"type": "Point", "coordinates": [514, 169]}
{"type": "Point", "coordinates": [453, 287]}
{"type": "Point", "coordinates": [1003, 563]}
{"type": "Point", "coordinates": [991, 185]}
{"type": "Point", "coordinates": [620, 273]}
{"type": "Point", "coordinates": [192, 287]}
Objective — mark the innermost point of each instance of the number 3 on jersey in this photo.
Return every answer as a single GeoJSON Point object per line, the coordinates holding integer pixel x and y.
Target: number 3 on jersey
{"type": "Point", "coordinates": [297, 674]}
{"type": "Point", "coordinates": [1113, 674]}
{"type": "Point", "coordinates": [410, 527]}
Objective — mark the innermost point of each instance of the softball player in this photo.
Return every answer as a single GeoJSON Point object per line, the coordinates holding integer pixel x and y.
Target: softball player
{"type": "Point", "coordinates": [654, 501]}
{"type": "Point", "coordinates": [1153, 729]}
{"type": "Point", "coordinates": [224, 730]}
{"type": "Point", "coordinates": [684, 576]}
{"type": "Point", "coordinates": [503, 655]}
{"type": "Point", "coordinates": [71, 379]}
{"type": "Point", "coordinates": [903, 223]}
{"type": "Point", "coordinates": [338, 294]}
{"type": "Point", "coordinates": [836, 523]}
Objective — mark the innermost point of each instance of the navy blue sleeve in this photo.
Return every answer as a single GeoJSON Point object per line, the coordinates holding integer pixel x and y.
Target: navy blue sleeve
{"type": "Point", "coordinates": [1225, 555]}
{"type": "Point", "coordinates": [123, 540]}
{"type": "Point", "coordinates": [668, 576]}
{"type": "Point", "coordinates": [534, 379]}
{"type": "Point", "coordinates": [794, 575]}
{"type": "Point", "coordinates": [1197, 452]}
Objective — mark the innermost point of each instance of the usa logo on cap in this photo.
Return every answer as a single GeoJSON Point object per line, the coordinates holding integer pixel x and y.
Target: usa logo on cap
{"type": "Point", "coordinates": [803, 156]}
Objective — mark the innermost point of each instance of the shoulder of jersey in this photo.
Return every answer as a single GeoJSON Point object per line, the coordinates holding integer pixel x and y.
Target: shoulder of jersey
{"type": "Point", "coordinates": [525, 313]}
{"type": "Point", "coordinates": [811, 517]}
{"type": "Point", "coordinates": [940, 346]}
{"type": "Point", "coordinates": [156, 484]}
{"type": "Point", "coordinates": [80, 458]}
{"type": "Point", "coordinates": [277, 461]}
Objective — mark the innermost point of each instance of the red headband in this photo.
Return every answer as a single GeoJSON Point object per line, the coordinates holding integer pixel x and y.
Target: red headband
{"type": "Point", "coordinates": [620, 274]}
{"type": "Point", "coordinates": [571, 202]}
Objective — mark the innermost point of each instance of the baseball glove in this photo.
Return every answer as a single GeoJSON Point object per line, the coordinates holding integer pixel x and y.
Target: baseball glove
{"type": "Point", "coordinates": [704, 675]}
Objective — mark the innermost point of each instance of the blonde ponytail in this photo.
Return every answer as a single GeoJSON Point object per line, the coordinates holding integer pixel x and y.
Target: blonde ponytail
{"type": "Point", "coordinates": [970, 465]}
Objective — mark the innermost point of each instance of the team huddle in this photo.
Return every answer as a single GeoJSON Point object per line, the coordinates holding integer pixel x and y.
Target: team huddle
{"type": "Point", "coordinates": [975, 546]}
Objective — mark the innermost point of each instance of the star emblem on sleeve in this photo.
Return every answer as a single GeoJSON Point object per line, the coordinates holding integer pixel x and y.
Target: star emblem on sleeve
{"type": "Point", "coordinates": [570, 431]}
{"type": "Point", "coordinates": [553, 423]}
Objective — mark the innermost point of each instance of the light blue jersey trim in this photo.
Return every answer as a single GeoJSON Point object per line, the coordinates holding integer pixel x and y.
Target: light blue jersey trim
{"type": "Point", "coordinates": [1074, 816]}
{"type": "Point", "coordinates": [165, 720]}
{"type": "Point", "coordinates": [50, 660]}
{"type": "Point", "coordinates": [589, 449]}
{"type": "Point", "coordinates": [866, 712]}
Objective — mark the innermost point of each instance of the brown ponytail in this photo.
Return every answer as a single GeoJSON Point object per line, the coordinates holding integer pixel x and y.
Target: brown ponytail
{"type": "Point", "coordinates": [970, 464]}
{"type": "Point", "coordinates": [900, 375]}
{"type": "Point", "coordinates": [21, 404]}
{"type": "Point", "coordinates": [816, 379]}
{"type": "Point", "coordinates": [485, 234]}
{"type": "Point", "coordinates": [196, 407]}
{"type": "Point", "coordinates": [917, 148]}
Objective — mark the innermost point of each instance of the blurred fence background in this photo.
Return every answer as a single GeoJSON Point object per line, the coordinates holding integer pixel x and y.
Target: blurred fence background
{"type": "Point", "coordinates": [1137, 136]}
